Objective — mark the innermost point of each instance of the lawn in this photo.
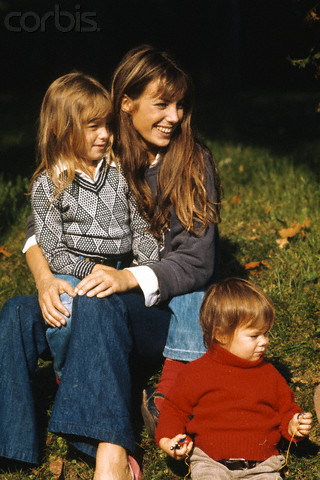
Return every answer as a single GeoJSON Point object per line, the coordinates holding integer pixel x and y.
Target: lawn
{"type": "Point", "coordinates": [267, 147]}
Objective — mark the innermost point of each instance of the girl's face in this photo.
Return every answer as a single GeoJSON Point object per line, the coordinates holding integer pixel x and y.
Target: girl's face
{"type": "Point", "coordinates": [249, 343]}
{"type": "Point", "coordinates": [96, 139]}
{"type": "Point", "coordinates": [154, 117]}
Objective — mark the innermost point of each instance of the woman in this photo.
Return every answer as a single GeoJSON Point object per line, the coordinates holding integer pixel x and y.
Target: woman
{"type": "Point", "coordinates": [177, 186]}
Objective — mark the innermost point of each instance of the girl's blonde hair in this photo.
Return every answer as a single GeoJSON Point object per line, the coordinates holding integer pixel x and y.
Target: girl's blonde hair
{"type": "Point", "coordinates": [70, 102]}
{"type": "Point", "coordinates": [233, 303]}
{"type": "Point", "coordinates": [182, 176]}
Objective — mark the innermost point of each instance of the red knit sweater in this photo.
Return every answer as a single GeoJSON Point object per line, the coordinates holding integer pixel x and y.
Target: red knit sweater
{"type": "Point", "coordinates": [240, 408]}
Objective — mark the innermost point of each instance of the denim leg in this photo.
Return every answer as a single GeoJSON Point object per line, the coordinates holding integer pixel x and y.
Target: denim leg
{"type": "Point", "coordinates": [58, 337]}
{"type": "Point", "coordinates": [185, 339]}
{"type": "Point", "coordinates": [22, 341]}
{"type": "Point", "coordinates": [149, 326]}
{"type": "Point", "coordinates": [93, 401]}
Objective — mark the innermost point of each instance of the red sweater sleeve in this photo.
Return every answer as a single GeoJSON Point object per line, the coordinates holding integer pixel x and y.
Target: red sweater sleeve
{"type": "Point", "coordinates": [179, 403]}
{"type": "Point", "coordinates": [287, 406]}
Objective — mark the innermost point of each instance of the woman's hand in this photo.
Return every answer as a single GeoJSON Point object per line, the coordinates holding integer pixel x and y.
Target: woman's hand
{"type": "Point", "coordinates": [175, 449]}
{"type": "Point", "coordinates": [104, 281]}
{"type": "Point", "coordinates": [300, 424]}
{"type": "Point", "coordinates": [50, 288]}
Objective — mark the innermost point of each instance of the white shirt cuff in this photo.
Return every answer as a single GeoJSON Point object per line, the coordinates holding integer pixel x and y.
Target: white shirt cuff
{"type": "Point", "coordinates": [148, 283]}
{"type": "Point", "coordinates": [29, 243]}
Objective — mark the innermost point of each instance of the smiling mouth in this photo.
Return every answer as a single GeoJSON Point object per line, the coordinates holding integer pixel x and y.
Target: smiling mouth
{"type": "Point", "coordinates": [166, 130]}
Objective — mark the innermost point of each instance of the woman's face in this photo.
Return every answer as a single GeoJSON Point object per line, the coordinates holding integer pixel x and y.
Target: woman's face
{"type": "Point", "coordinates": [154, 117]}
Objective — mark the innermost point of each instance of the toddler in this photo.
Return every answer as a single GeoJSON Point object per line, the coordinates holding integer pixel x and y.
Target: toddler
{"type": "Point", "coordinates": [233, 403]}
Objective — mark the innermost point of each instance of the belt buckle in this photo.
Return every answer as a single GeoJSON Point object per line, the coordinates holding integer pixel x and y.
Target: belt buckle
{"type": "Point", "coordinates": [238, 463]}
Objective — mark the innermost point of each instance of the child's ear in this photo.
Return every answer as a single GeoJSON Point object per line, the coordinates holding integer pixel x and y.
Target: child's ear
{"type": "Point", "coordinates": [220, 336]}
{"type": "Point", "coordinates": [126, 104]}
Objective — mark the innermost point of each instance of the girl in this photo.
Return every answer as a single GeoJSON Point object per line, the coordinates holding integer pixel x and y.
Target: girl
{"type": "Point", "coordinates": [85, 215]}
{"type": "Point", "coordinates": [178, 187]}
{"type": "Point", "coordinates": [231, 401]}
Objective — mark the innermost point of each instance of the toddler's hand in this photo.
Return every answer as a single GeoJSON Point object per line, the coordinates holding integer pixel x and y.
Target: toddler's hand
{"type": "Point", "coordinates": [169, 445]}
{"type": "Point", "coordinates": [300, 424]}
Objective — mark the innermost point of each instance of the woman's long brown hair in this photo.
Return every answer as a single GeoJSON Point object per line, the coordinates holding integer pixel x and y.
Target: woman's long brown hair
{"type": "Point", "coordinates": [182, 176]}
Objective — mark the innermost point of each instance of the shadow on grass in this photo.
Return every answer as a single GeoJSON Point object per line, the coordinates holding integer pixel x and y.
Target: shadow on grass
{"type": "Point", "coordinates": [229, 265]}
{"type": "Point", "coordinates": [306, 448]}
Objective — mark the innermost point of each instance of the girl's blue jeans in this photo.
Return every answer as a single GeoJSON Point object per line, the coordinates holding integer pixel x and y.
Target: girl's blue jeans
{"type": "Point", "coordinates": [58, 338]}
{"type": "Point", "coordinates": [93, 402]}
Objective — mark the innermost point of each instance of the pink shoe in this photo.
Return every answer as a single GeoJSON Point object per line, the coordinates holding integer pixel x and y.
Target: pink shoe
{"type": "Point", "coordinates": [134, 469]}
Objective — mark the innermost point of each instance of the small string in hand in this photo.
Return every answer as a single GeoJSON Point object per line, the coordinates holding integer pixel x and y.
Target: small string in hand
{"type": "Point", "coordinates": [186, 461]}
{"type": "Point", "coordinates": [177, 446]}
{"type": "Point", "coordinates": [291, 440]}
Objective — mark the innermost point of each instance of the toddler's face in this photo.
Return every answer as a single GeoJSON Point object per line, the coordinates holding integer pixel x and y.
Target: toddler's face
{"type": "Point", "coordinates": [249, 343]}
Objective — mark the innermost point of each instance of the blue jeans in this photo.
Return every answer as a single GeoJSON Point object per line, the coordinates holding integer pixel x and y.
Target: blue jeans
{"type": "Point", "coordinates": [185, 338]}
{"type": "Point", "coordinates": [93, 402]}
{"type": "Point", "coordinates": [58, 337]}
{"type": "Point", "coordinates": [22, 342]}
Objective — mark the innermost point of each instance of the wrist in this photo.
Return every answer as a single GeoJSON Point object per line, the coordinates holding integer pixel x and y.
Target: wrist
{"type": "Point", "coordinates": [130, 279]}
{"type": "Point", "coordinates": [42, 277]}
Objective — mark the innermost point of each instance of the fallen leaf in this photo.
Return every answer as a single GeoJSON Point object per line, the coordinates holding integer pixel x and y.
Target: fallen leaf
{"type": "Point", "coordinates": [291, 231]}
{"type": "Point", "coordinates": [252, 265]}
{"type": "Point", "coordinates": [282, 242]}
{"type": "Point", "coordinates": [55, 467]}
{"type": "Point", "coordinates": [268, 210]}
{"type": "Point", "coordinates": [241, 168]}
{"type": "Point", "coordinates": [4, 251]}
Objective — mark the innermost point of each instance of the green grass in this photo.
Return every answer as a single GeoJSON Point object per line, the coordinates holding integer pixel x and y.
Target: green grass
{"type": "Point", "coordinates": [270, 183]}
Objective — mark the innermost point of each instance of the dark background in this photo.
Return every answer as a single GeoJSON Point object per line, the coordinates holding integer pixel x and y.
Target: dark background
{"type": "Point", "coordinates": [228, 47]}
{"type": "Point", "coordinates": [222, 43]}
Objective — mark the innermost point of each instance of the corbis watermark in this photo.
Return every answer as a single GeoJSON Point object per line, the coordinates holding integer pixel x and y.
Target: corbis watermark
{"type": "Point", "coordinates": [64, 21]}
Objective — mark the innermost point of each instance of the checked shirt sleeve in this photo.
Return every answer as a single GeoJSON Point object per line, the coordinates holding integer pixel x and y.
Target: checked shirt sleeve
{"type": "Point", "coordinates": [49, 231]}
